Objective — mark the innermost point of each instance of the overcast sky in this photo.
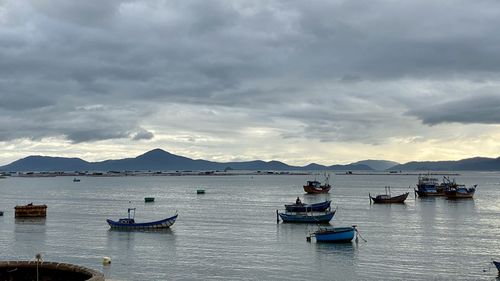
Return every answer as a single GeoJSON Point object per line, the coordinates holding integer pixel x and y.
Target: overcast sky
{"type": "Point", "coordinates": [331, 82]}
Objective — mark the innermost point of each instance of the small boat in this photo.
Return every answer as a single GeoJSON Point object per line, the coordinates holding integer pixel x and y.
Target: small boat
{"type": "Point", "coordinates": [1, 213]}
{"type": "Point", "coordinates": [387, 198]}
{"type": "Point", "coordinates": [130, 224]}
{"type": "Point", "coordinates": [315, 187]}
{"type": "Point", "coordinates": [315, 207]}
{"type": "Point", "coordinates": [334, 234]}
{"type": "Point", "coordinates": [149, 199]}
{"type": "Point", "coordinates": [497, 265]}
{"type": "Point", "coordinates": [460, 191]}
{"type": "Point", "coordinates": [312, 217]}
{"type": "Point", "coordinates": [200, 191]}
{"type": "Point", "coordinates": [76, 180]}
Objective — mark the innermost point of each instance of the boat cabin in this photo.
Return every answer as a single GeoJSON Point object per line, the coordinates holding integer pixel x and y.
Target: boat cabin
{"type": "Point", "coordinates": [314, 183]}
{"type": "Point", "coordinates": [130, 218]}
{"type": "Point", "coordinates": [126, 221]}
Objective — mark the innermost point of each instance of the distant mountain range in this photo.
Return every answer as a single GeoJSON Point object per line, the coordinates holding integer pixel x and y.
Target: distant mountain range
{"type": "Point", "coordinates": [470, 164]}
{"type": "Point", "coordinates": [159, 160]}
{"type": "Point", "coordinates": [379, 165]}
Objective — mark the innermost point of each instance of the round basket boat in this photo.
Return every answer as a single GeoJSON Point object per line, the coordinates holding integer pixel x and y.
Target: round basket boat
{"type": "Point", "coordinates": [27, 270]}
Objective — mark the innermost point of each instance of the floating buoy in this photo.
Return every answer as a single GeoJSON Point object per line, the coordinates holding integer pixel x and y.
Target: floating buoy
{"type": "Point", "coordinates": [106, 260]}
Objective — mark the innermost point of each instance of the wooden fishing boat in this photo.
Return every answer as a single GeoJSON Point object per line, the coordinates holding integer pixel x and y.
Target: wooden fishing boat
{"type": "Point", "coordinates": [130, 224]}
{"type": "Point", "coordinates": [428, 186]}
{"type": "Point", "coordinates": [460, 191]}
{"type": "Point", "coordinates": [497, 265]}
{"type": "Point", "coordinates": [30, 211]}
{"type": "Point", "coordinates": [315, 187]}
{"type": "Point", "coordinates": [334, 234]}
{"type": "Point", "coordinates": [387, 198]}
{"type": "Point", "coordinates": [310, 217]}
{"type": "Point", "coordinates": [315, 207]}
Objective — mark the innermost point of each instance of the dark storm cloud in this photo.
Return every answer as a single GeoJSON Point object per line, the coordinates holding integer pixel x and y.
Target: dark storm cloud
{"type": "Point", "coordinates": [476, 109]}
{"type": "Point", "coordinates": [327, 65]}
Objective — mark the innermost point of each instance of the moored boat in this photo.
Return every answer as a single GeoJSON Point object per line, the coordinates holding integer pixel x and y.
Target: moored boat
{"type": "Point", "coordinates": [388, 198]}
{"type": "Point", "coordinates": [334, 234]}
{"type": "Point", "coordinates": [497, 265]}
{"type": "Point", "coordinates": [315, 207]}
{"type": "Point", "coordinates": [76, 180]}
{"type": "Point", "coordinates": [130, 224]}
{"type": "Point", "coordinates": [460, 191]}
{"type": "Point", "coordinates": [149, 199]}
{"type": "Point", "coordinates": [315, 187]}
{"type": "Point", "coordinates": [308, 217]}
{"type": "Point", "coordinates": [428, 186]}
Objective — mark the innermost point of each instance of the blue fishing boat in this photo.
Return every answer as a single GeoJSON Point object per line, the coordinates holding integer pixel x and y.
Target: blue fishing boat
{"type": "Point", "coordinates": [130, 224]}
{"type": "Point", "coordinates": [309, 217]}
{"type": "Point", "coordinates": [428, 186]}
{"type": "Point", "coordinates": [334, 234]}
{"type": "Point", "coordinates": [315, 207]}
{"type": "Point", "coordinates": [497, 265]}
{"type": "Point", "coordinates": [460, 191]}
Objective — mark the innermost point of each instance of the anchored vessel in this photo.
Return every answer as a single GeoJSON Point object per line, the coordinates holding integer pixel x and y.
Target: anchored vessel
{"type": "Point", "coordinates": [315, 207]}
{"type": "Point", "coordinates": [130, 224]}
{"type": "Point", "coordinates": [308, 217]}
{"type": "Point", "coordinates": [334, 234]}
{"type": "Point", "coordinates": [388, 198]}
{"type": "Point", "coordinates": [315, 187]}
{"type": "Point", "coordinates": [460, 191]}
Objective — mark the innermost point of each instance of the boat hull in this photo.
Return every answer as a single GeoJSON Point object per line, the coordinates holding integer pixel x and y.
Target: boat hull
{"type": "Point", "coordinates": [307, 217]}
{"type": "Point", "coordinates": [161, 224]}
{"type": "Point", "coordinates": [315, 190]}
{"type": "Point", "coordinates": [459, 195]}
{"type": "Point", "coordinates": [335, 235]}
{"type": "Point", "coordinates": [316, 207]}
{"type": "Point", "coordinates": [426, 193]}
{"type": "Point", "coordinates": [396, 199]}
{"type": "Point", "coordinates": [497, 265]}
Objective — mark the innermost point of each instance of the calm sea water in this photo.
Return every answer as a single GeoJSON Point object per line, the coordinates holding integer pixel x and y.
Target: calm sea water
{"type": "Point", "coordinates": [230, 233]}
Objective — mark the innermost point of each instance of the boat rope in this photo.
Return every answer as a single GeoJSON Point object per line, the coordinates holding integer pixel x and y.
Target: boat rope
{"type": "Point", "coordinates": [360, 236]}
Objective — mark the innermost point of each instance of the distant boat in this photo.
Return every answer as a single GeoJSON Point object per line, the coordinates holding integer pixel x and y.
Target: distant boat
{"type": "Point", "coordinates": [460, 191]}
{"type": "Point", "coordinates": [323, 217]}
{"type": "Point", "coordinates": [334, 234]}
{"type": "Point", "coordinates": [315, 207]}
{"type": "Point", "coordinates": [76, 180]}
{"type": "Point", "coordinates": [130, 224]}
{"type": "Point", "coordinates": [315, 187]}
{"type": "Point", "coordinates": [387, 198]}
{"type": "Point", "coordinates": [1, 213]}
{"type": "Point", "coordinates": [149, 199]}
{"type": "Point", "coordinates": [200, 191]}
{"type": "Point", "coordinates": [497, 265]}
